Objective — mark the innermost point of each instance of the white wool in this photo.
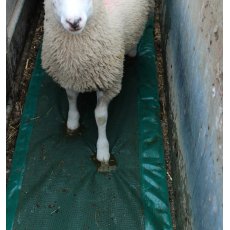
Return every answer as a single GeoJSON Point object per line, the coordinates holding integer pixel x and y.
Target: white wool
{"type": "Point", "coordinates": [84, 45]}
{"type": "Point", "coordinates": [93, 59]}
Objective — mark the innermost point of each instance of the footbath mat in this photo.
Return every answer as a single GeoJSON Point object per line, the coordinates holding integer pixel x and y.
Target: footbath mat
{"type": "Point", "coordinates": [54, 183]}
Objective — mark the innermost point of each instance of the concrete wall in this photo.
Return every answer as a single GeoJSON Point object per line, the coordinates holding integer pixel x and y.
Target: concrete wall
{"type": "Point", "coordinates": [10, 5]}
{"type": "Point", "coordinates": [192, 32]}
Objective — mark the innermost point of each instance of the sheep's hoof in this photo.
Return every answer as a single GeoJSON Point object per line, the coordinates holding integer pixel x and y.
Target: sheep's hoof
{"type": "Point", "coordinates": [103, 157]}
{"type": "Point", "coordinates": [73, 132]}
{"type": "Point", "coordinates": [105, 166]}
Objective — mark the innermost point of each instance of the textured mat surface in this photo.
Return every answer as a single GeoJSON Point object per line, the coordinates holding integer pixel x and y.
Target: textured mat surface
{"type": "Point", "coordinates": [54, 183]}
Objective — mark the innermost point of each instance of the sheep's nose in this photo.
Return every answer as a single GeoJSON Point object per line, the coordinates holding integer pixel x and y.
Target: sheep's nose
{"type": "Point", "coordinates": [75, 24]}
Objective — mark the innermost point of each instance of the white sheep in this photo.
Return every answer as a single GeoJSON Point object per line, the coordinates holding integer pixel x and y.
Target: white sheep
{"type": "Point", "coordinates": [84, 45]}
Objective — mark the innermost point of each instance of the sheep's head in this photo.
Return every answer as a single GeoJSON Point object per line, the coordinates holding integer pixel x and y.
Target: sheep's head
{"type": "Point", "coordinates": [73, 14]}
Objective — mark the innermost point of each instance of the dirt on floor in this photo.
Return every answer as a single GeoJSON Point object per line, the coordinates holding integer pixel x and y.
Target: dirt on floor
{"type": "Point", "coordinates": [163, 104]}
{"type": "Point", "coordinates": [15, 106]}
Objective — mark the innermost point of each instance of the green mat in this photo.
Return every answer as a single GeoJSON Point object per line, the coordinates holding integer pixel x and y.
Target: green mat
{"type": "Point", "coordinates": [54, 184]}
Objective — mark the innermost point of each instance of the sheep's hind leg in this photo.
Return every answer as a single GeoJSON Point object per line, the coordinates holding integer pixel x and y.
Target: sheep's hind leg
{"type": "Point", "coordinates": [101, 115]}
{"type": "Point", "coordinates": [133, 52]}
{"type": "Point", "coordinates": [73, 114]}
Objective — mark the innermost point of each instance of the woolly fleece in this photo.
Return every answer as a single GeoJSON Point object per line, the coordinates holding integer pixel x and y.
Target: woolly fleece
{"type": "Point", "coordinates": [93, 60]}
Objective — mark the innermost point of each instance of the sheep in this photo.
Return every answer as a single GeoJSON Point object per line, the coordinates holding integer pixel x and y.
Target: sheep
{"type": "Point", "coordinates": [83, 50]}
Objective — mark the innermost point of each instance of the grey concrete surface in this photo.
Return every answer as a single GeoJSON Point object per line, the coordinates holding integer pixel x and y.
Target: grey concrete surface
{"type": "Point", "coordinates": [193, 33]}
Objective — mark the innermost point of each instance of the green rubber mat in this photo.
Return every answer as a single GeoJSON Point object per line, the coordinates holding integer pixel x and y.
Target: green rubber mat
{"type": "Point", "coordinates": [54, 183]}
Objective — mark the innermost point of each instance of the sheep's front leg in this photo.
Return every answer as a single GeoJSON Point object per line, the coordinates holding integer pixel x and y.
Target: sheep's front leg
{"type": "Point", "coordinates": [101, 115]}
{"type": "Point", "coordinates": [73, 114]}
